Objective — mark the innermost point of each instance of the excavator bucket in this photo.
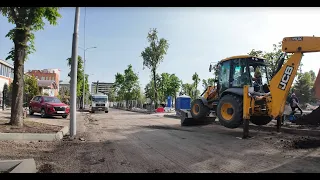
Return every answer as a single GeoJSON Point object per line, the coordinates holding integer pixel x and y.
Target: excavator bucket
{"type": "Point", "coordinates": [314, 117]}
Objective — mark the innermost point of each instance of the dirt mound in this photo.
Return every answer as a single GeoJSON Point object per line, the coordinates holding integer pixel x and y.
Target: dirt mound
{"type": "Point", "coordinates": [313, 118]}
{"type": "Point", "coordinates": [300, 143]}
{"type": "Point", "coordinates": [46, 168]}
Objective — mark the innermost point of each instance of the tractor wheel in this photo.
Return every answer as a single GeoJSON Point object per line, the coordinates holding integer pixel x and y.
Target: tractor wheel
{"type": "Point", "coordinates": [260, 120]}
{"type": "Point", "coordinates": [229, 111]}
{"type": "Point", "coordinates": [198, 109]}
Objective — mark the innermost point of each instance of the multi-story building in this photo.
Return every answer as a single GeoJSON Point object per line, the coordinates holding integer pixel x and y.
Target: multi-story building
{"type": "Point", "coordinates": [6, 74]}
{"type": "Point", "coordinates": [47, 74]}
{"type": "Point", "coordinates": [103, 87]}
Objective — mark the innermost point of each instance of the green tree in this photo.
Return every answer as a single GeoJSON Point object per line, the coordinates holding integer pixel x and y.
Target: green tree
{"type": "Point", "coordinates": [153, 55]}
{"type": "Point", "coordinates": [312, 75]}
{"type": "Point", "coordinates": [112, 95]}
{"type": "Point", "coordinates": [80, 80]}
{"type": "Point", "coordinates": [46, 94]}
{"type": "Point", "coordinates": [208, 82]}
{"type": "Point", "coordinates": [169, 85]}
{"type": "Point", "coordinates": [303, 88]}
{"type": "Point", "coordinates": [313, 91]}
{"type": "Point", "coordinates": [271, 58]}
{"type": "Point", "coordinates": [164, 89]}
{"type": "Point", "coordinates": [174, 86]}
{"type": "Point", "coordinates": [27, 20]}
{"type": "Point", "coordinates": [127, 85]}
{"type": "Point", "coordinates": [64, 95]}
{"type": "Point", "coordinates": [118, 86]}
{"type": "Point", "coordinates": [149, 91]}
{"type": "Point", "coordinates": [31, 87]}
{"type": "Point", "coordinates": [187, 89]}
{"type": "Point", "coordinates": [196, 81]}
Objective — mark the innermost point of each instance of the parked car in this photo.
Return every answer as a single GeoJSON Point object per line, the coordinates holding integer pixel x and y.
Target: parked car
{"type": "Point", "coordinates": [48, 106]}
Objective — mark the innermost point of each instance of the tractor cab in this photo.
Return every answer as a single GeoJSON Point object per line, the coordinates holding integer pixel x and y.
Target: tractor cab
{"type": "Point", "coordinates": [237, 71]}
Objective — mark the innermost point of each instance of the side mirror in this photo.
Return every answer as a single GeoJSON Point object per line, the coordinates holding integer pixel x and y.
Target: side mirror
{"type": "Point", "coordinates": [210, 67]}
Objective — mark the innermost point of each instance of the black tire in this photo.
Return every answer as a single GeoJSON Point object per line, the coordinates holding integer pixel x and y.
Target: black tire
{"type": "Point", "coordinates": [65, 116]}
{"type": "Point", "coordinates": [106, 111]}
{"type": "Point", "coordinates": [43, 113]}
{"type": "Point", "coordinates": [198, 109]}
{"type": "Point", "coordinates": [260, 120]}
{"type": "Point", "coordinates": [235, 111]}
{"type": "Point", "coordinates": [30, 111]}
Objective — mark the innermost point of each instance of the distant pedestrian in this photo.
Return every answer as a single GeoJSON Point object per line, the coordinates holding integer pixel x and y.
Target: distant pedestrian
{"type": "Point", "coordinates": [294, 103]}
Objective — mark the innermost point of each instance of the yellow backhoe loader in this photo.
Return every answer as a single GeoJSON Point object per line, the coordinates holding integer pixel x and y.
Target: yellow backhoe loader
{"type": "Point", "coordinates": [246, 92]}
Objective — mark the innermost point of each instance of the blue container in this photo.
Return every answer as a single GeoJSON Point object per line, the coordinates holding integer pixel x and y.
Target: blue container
{"type": "Point", "coordinates": [169, 100]}
{"type": "Point", "coordinates": [183, 102]}
{"type": "Point", "coordinates": [291, 118]}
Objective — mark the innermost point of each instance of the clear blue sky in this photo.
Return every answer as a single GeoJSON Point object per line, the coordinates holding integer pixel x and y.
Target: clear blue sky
{"type": "Point", "coordinates": [197, 36]}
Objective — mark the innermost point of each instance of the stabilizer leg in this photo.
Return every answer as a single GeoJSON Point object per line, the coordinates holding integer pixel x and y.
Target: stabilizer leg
{"type": "Point", "coordinates": [245, 129]}
{"type": "Point", "coordinates": [279, 120]}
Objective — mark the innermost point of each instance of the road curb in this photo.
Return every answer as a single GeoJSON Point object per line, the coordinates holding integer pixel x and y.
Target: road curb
{"type": "Point", "coordinates": [305, 132]}
{"type": "Point", "coordinates": [19, 166]}
{"type": "Point", "coordinates": [36, 136]}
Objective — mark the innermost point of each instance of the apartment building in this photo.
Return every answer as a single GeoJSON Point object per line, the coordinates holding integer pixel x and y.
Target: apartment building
{"type": "Point", "coordinates": [103, 87]}
{"type": "Point", "coordinates": [47, 74]}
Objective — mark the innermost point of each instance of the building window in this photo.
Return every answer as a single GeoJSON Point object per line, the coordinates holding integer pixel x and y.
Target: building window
{"type": "Point", "coordinates": [42, 78]}
{"type": "Point", "coordinates": [6, 71]}
{"type": "Point", "coordinates": [1, 69]}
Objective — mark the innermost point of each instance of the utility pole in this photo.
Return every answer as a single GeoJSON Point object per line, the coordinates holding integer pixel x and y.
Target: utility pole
{"type": "Point", "coordinates": [74, 67]}
{"type": "Point", "coordinates": [84, 59]}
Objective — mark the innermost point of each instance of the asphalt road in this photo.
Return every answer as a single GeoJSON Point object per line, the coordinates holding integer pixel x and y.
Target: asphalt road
{"type": "Point", "coordinates": [122, 141]}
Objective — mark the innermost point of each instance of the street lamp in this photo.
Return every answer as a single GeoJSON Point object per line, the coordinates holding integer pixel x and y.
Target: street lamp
{"type": "Point", "coordinates": [84, 77]}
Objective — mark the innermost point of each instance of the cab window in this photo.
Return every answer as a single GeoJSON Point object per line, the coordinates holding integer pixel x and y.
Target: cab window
{"type": "Point", "coordinates": [240, 75]}
{"type": "Point", "coordinates": [224, 74]}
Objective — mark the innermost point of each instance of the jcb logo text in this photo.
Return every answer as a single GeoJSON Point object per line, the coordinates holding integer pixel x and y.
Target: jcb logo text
{"type": "Point", "coordinates": [285, 77]}
{"type": "Point", "coordinates": [297, 39]}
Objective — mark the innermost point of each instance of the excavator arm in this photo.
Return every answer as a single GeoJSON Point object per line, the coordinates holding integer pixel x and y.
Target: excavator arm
{"type": "Point", "coordinates": [282, 81]}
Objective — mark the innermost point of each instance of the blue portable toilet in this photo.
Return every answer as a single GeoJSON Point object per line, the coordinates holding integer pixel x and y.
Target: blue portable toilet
{"type": "Point", "coordinates": [169, 101]}
{"type": "Point", "coordinates": [183, 102]}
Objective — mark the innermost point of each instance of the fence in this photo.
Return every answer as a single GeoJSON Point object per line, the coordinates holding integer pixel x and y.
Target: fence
{"type": "Point", "coordinates": [134, 104]}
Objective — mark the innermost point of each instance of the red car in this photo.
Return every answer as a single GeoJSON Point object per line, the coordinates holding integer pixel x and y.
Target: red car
{"type": "Point", "coordinates": [48, 106]}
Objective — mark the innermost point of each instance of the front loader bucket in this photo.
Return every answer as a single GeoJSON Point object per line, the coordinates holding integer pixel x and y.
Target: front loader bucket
{"type": "Point", "coordinates": [187, 120]}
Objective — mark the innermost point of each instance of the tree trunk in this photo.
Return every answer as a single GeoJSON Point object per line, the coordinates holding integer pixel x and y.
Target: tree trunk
{"type": "Point", "coordinates": [81, 102]}
{"type": "Point", "coordinates": [18, 81]}
{"type": "Point", "coordinates": [155, 88]}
